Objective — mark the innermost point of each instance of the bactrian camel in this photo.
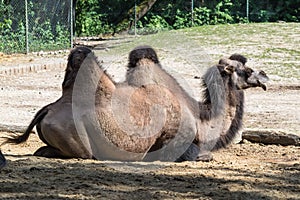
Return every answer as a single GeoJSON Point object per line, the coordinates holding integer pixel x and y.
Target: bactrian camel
{"type": "Point", "coordinates": [219, 117]}
{"type": "Point", "coordinates": [148, 117]}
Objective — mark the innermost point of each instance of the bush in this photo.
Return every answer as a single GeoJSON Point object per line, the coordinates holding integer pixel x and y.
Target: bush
{"type": "Point", "coordinates": [222, 14]}
{"type": "Point", "coordinates": [152, 24]}
{"type": "Point", "coordinates": [182, 20]}
{"type": "Point", "coordinates": [45, 30]}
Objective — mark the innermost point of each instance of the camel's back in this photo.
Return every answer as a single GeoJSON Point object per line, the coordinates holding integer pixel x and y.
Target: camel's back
{"type": "Point", "coordinates": [147, 73]}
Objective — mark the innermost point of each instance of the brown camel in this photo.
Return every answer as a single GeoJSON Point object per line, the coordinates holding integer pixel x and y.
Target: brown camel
{"type": "Point", "coordinates": [96, 117]}
{"type": "Point", "coordinates": [54, 122]}
{"type": "Point", "coordinates": [86, 121]}
{"type": "Point", "coordinates": [219, 117]}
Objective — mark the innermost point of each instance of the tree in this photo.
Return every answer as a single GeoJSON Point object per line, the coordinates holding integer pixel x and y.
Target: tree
{"type": "Point", "coordinates": [126, 22]}
{"type": "Point", "coordinates": [105, 14]}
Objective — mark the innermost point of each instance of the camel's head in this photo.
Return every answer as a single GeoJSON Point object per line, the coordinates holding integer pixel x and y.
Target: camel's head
{"type": "Point", "coordinates": [142, 52]}
{"type": "Point", "coordinates": [242, 76]}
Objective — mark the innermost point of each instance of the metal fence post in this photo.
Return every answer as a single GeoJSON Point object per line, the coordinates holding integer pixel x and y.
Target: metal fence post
{"type": "Point", "coordinates": [26, 27]}
{"type": "Point", "coordinates": [71, 22]}
{"type": "Point", "coordinates": [192, 9]}
{"type": "Point", "coordinates": [247, 9]}
{"type": "Point", "coordinates": [135, 17]}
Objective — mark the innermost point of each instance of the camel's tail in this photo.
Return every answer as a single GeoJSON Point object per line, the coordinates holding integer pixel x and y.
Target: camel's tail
{"type": "Point", "coordinates": [17, 139]}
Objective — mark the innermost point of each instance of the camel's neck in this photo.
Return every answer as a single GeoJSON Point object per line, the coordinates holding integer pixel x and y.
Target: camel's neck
{"type": "Point", "coordinates": [224, 103]}
{"type": "Point", "coordinates": [235, 122]}
{"type": "Point", "coordinates": [215, 95]}
{"type": "Point", "coordinates": [219, 94]}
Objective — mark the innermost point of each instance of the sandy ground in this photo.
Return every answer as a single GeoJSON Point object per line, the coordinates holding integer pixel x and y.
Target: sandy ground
{"type": "Point", "coordinates": [242, 171]}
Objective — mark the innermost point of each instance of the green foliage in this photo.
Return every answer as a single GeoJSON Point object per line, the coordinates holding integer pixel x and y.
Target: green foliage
{"type": "Point", "coordinates": [46, 32]}
{"type": "Point", "coordinates": [5, 22]}
{"type": "Point", "coordinates": [90, 20]}
{"type": "Point", "coordinates": [202, 16]}
{"type": "Point", "coordinates": [265, 11]}
{"type": "Point", "coordinates": [222, 14]}
{"type": "Point", "coordinates": [8, 38]}
{"type": "Point", "coordinates": [95, 17]}
{"type": "Point", "coordinates": [182, 20]}
{"type": "Point", "coordinates": [152, 24]}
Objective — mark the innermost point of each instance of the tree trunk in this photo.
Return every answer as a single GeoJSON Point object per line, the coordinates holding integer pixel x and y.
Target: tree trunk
{"type": "Point", "coordinates": [127, 21]}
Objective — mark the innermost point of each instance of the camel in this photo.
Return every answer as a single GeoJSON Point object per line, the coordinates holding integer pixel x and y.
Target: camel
{"type": "Point", "coordinates": [54, 122]}
{"type": "Point", "coordinates": [135, 120]}
{"type": "Point", "coordinates": [71, 127]}
{"type": "Point", "coordinates": [219, 117]}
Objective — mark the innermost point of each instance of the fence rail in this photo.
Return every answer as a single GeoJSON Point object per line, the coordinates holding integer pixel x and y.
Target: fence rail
{"type": "Point", "coordinates": [31, 25]}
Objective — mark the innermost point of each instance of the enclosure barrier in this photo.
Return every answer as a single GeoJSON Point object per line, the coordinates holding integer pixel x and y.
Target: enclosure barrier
{"type": "Point", "coordinates": [31, 26]}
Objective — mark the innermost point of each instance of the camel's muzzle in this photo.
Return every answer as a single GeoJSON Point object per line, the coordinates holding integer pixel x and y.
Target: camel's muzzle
{"type": "Point", "coordinates": [258, 79]}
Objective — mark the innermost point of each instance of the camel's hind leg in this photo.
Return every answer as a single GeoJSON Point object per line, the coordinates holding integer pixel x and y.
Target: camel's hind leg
{"type": "Point", "coordinates": [49, 152]}
{"type": "Point", "coordinates": [2, 160]}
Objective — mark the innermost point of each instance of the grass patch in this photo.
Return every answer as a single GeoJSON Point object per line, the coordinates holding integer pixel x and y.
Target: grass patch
{"type": "Point", "coordinates": [272, 47]}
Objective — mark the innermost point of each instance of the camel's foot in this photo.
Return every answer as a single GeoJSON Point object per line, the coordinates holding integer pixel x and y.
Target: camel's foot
{"type": "Point", "coordinates": [205, 157]}
{"type": "Point", "coordinates": [190, 154]}
{"type": "Point", "coordinates": [49, 152]}
{"type": "Point", "coordinates": [193, 154]}
{"type": "Point", "coordinates": [2, 160]}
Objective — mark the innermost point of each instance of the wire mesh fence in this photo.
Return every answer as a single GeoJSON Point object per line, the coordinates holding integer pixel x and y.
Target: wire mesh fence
{"type": "Point", "coordinates": [34, 25]}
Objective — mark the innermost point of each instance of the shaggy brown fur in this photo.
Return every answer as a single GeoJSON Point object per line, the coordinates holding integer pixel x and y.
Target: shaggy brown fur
{"type": "Point", "coordinates": [75, 59]}
{"type": "Point", "coordinates": [59, 113]}
{"type": "Point", "coordinates": [149, 113]}
{"type": "Point", "coordinates": [56, 122]}
{"type": "Point", "coordinates": [142, 52]}
{"type": "Point", "coordinates": [225, 99]}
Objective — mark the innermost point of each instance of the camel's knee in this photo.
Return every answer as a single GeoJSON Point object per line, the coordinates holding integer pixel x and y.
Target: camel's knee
{"type": "Point", "coordinates": [49, 152]}
{"type": "Point", "coordinates": [193, 153]}
{"type": "Point", "coordinates": [190, 154]}
{"type": "Point", "coordinates": [2, 160]}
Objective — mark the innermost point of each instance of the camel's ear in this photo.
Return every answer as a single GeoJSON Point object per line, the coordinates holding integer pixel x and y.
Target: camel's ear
{"type": "Point", "coordinates": [229, 69]}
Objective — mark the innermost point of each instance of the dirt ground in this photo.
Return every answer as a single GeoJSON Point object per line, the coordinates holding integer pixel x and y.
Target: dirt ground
{"type": "Point", "coordinates": [242, 171]}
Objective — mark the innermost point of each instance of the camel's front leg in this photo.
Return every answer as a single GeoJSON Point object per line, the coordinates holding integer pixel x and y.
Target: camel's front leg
{"type": "Point", "coordinates": [190, 154]}
{"type": "Point", "coordinates": [193, 153]}
{"type": "Point", "coordinates": [2, 160]}
{"type": "Point", "coordinates": [49, 152]}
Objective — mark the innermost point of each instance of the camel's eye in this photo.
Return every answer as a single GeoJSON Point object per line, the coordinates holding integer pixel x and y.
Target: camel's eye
{"type": "Point", "coordinates": [249, 72]}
